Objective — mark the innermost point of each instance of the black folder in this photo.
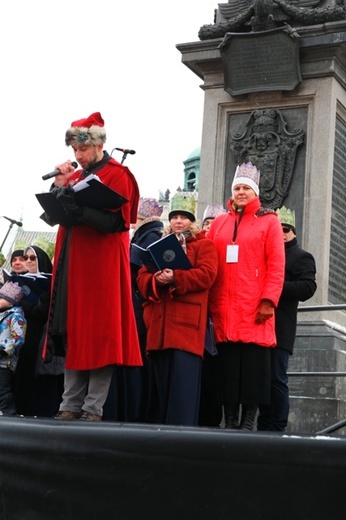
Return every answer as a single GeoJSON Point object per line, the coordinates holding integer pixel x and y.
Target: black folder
{"type": "Point", "coordinates": [94, 195]}
{"type": "Point", "coordinates": [165, 253]}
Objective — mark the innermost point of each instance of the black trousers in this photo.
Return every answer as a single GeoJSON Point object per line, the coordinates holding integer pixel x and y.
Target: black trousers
{"type": "Point", "coordinates": [274, 417]}
{"type": "Point", "coordinates": [7, 406]}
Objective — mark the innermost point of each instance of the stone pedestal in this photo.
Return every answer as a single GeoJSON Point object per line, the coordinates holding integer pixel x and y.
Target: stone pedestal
{"type": "Point", "coordinates": [318, 106]}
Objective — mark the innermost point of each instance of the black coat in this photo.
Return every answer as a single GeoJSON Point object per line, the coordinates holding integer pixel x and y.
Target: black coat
{"type": "Point", "coordinates": [146, 234]}
{"type": "Point", "coordinates": [26, 384]}
{"type": "Point", "coordinates": [299, 286]}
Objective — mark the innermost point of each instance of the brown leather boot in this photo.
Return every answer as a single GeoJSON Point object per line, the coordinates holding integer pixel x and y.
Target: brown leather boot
{"type": "Point", "coordinates": [87, 416]}
{"type": "Point", "coordinates": [248, 415]}
{"type": "Point", "coordinates": [65, 415]}
{"type": "Point", "coordinates": [231, 416]}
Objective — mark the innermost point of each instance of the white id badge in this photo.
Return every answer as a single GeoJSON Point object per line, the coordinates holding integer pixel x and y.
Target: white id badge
{"type": "Point", "coordinates": [232, 254]}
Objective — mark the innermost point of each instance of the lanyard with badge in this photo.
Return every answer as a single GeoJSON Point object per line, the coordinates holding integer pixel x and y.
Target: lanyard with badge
{"type": "Point", "coordinates": [232, 250]}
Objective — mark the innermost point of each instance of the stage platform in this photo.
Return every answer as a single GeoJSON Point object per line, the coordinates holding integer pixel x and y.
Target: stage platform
{"type": "Point", "coordinates": [55, 470]}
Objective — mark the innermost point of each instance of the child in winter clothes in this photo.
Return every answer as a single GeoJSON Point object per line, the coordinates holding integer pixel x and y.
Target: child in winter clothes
{"type": "Point", "coordinates": [12, 336]}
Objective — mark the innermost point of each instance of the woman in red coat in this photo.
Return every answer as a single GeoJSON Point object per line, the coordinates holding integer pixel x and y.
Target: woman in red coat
{"type": "Point", "coordinates": [242, 301]}
{"type": "Point", "coordinates": [175, 316]}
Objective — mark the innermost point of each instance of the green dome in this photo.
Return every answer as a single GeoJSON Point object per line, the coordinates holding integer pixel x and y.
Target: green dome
{"type": "Point", "coordinates": [196, 154]}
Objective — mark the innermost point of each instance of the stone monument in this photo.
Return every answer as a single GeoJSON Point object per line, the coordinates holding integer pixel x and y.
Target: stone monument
{"type": "Point", "coordinates": [274, 77]}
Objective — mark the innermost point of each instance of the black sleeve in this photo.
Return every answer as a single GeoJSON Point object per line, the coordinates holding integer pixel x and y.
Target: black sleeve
{"type": "Point", "coordinates": [102, 220]}
{"type": "Point", "coordinates": [302, 284]}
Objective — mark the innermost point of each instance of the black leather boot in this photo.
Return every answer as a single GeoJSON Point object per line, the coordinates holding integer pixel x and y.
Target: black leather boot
{"type": "Point", "coordinates": [248, 415]}
{"type": "Point", "coordinates": [231, 416]}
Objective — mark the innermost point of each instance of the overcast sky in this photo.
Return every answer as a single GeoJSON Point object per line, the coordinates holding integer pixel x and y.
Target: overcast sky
{"type": "Point", "coordinates": [61, 61]}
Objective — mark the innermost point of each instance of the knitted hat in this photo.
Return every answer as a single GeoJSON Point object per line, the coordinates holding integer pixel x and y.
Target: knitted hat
{"type": "Point", "coordinates": [12, 292]}
{"type": "Point", "coordinates": [16, 252]}
{"type": "Point", "coordinates": [86, 132]}
{"type": "Point", "coordinates": [248, 174]}
{"type": "Point", "coordinates": [149, 207]}
{"type": "Point", "coordinates": [287, 217]}
{"type": "Point", "coordinates": [211, 212]}
{"type": "Point", "coordinates": [183, 203]}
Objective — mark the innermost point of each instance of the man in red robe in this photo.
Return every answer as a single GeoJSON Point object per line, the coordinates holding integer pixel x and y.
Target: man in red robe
{"type": "Point", "coordinates": [91, 317]}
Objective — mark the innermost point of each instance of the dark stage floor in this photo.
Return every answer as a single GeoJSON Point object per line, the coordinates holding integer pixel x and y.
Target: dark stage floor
{"type": "Point", "coordinates": [52, 470]}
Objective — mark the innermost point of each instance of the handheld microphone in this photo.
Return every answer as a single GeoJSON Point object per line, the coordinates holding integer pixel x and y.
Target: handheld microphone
{"type": "Point", "coordinates": [13, 221]}
{"type": "Point", "coordinates": [125, 150]}
{"type": "Point", "coordinates": [56, 172]}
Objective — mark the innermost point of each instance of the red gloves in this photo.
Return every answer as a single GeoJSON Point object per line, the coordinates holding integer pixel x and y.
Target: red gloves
{"type": "Point", "coordinates": [265, 311]}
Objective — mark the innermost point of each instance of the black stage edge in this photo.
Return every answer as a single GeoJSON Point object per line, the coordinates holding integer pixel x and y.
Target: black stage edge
{"type": "Point", "coordinates": [52, 470]}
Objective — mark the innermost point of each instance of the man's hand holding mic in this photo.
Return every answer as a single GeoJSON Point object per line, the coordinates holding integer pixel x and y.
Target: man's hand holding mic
{"type": "Point", "coordinates": [61, 173]}
{"type": "Point", "coordinates": [65, 170]}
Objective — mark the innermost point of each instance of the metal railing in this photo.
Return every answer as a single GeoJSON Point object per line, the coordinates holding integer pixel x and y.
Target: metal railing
{"type": "Point", "coordinates": [315, 308]}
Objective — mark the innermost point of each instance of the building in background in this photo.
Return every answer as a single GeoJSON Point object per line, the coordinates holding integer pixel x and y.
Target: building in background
{"type": "Point", "coordinates": [190, 181]}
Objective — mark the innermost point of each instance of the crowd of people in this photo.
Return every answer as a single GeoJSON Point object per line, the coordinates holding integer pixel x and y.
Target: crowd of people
{"type": "Point", "coordinates": [126, 342]}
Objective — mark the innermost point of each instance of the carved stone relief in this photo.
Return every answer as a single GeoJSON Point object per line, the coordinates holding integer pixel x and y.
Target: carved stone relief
{"type": "Point", "coordinates": [266, 141]}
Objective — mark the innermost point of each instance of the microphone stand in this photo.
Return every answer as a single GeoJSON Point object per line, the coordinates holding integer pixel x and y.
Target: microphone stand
{"type": "Point", "coordinates": [9, 229]}
{"type": "Point", "coordinates": [123, 157]}
{"type": "Point", "coordinates": [8, 232]}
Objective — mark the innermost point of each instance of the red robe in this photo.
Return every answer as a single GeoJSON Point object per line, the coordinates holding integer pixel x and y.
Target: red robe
{"type": "Point", "coordinates": [101, 328]}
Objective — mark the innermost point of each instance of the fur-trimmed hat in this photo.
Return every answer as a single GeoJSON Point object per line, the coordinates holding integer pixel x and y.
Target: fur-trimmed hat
{"type": "Point", "coordinates": [12, 292]}
{"type": "Point", "coordinates": [183, 203]}
{"type": "Point", "coordinates": [86, 132]}
{"type": "Point", "coordinates": [248, 174]}
{"type": "Point", "coordinates": [149, 207]}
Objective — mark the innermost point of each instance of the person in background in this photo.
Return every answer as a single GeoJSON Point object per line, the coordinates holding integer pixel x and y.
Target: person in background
{"type": "Point", "coordinates": [210, 411]}
{"type": "Point", "coordinates": [91, 317]}
{"type": "Point", "coordinates": [12, 335]}
{"type": "Point", "coordinates": [27, 385]}
{"type": "Point", "coordinates": [136, 382]}
{"type": "Point", "coordinates": [37, 261]}
{"type": "Point", "coordinates": [210, 213]}
{"type": "Point", "coordinates": [175, 316]}
{"type": "Point", "coordinates": [251, 255]}
{"type": "Point", "coordinates": [18, 264]}
{"type": "Point", "coordinates": [299, 286]}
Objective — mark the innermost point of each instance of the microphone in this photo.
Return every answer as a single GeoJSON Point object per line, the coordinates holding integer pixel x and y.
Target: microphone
{"type": "Point", "coordinates": [56, 172]}
{"type": "Point", "coordinates": [125, 150]}
{"type": "Point", "coordinates": [13, 221]}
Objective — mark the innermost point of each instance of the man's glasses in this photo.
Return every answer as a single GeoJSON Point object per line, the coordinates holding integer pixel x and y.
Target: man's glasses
{"type": "Point", "coordinates": [286, 229]}
{"type": "Point", "coordinates": [30, 257]}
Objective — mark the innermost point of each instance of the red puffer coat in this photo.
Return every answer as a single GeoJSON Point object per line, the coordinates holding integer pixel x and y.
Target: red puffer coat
{"type": "Point", "coordinates": [176, 318]}
{"type": "Point", "coordinates": [258, 274]}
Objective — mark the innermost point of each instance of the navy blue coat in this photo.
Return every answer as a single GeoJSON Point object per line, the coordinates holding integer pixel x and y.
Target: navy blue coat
{"type": "Point", "coordinates": [145, 235]}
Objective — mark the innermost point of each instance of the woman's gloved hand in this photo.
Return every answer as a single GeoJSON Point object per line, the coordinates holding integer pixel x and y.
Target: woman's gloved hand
{"type": "Point", "coordinates": [265, 311]}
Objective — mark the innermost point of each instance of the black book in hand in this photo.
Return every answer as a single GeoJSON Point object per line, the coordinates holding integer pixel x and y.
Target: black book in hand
{"type": "Point", "coordinates": [165, 253]}
{"type": "Point", "coordinates": [90, 192]}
